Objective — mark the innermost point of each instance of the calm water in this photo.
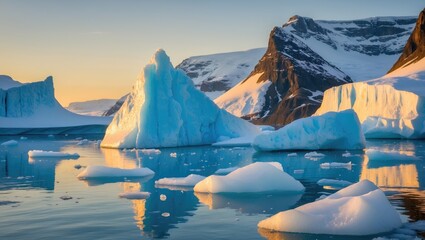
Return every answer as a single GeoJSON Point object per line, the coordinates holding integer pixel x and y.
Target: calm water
{"type": "Point", "coordinates": [31, 206]}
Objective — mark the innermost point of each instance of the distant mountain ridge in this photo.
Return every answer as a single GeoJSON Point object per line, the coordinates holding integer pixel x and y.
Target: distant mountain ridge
{"type": "Point", "coordinates": [305, 57]}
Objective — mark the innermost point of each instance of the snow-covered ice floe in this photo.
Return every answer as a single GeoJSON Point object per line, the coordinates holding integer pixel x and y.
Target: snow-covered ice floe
{"type": "Point", "coordinates": [392, 106]}
{"type": "Point", "coordinates": [390, 155]}
{"type": "Point", "coordinates": [188, 181]}
{"type": "Point", "coordinates": [135, 195]}
{"type": "Point", "coordinates": [360, 209]}
{"type": "Point", "coordinates": [105, 172]}
{"type": "Point", "coordinates": [333, 130]}
{"type": "Point", "coordinates": [51, 154]}
{"type": "Point", "coordinates": [314, 155]}
{"type": "Point", "coordinates": [165, 109]}
{"type": "Point", "coordinates": [328, 165]}
{"type": "Point", "coordinates": [256, 177]}
{"type": "Point", "coordinates": [151, 151]}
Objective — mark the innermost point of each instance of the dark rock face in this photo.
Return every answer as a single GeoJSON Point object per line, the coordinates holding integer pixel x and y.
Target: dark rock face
{"type": "Point", "coordinates": [299, 77]}
{"type": "Point", "coordinates": [414, 49]}
{"type": "Point", "coordinates": [116, 107]}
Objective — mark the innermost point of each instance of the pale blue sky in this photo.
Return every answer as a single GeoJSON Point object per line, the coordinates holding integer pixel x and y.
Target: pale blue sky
{"type": "Point", "coordinates": [96, 48]}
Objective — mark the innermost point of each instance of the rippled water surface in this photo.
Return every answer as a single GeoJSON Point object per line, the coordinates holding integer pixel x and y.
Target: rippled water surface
{"type": "Point", "coordinates": [43, 199]}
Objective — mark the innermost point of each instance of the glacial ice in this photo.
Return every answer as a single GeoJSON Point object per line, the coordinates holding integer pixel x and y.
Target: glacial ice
{"type": "Point", "coordinates": [359, 209]}
{"type": "Point", "coordinates": [166, 110]}
{"type": "Point", "coordinates": [32, 109]}
{"type": "Point", "coordinates": [333, 130]}
{"type": "Point", "coordinates": [188, 181]}
{"type": "Point", "coordinates": [110, 172]}
{"type": "Point", "coordinates": [51, 154]}
{"type": "Point", "coordinates": [254, 178]}
{"type": "Point", "coordinates": [392, 106]}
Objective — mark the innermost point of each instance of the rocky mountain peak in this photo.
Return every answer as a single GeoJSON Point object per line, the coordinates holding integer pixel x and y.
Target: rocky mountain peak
{"type": "Point", "coordinates": [414, 49]}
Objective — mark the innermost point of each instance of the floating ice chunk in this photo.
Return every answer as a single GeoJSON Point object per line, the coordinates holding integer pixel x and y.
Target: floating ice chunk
{"type": "Point", "coordinates": [188, 181]}
{"type": "Point", "coordinates": [151, 151]}
{"type": "Point", "coordinates": [135, 195]}
{"type": "Point", "coordinates": [23, 138]}
{"type": "Point", "coordinates": [360, 209]}
{"type": "Point", "coordinates": [173, 155]}
{"type": "Point", "coordinates": [83, 142]}
{"type": "Point", "coordinates": [10, 143]}
{"type": "Point", "coordinates": [51, 154]}
{"type": "Point", "coordinates": [256, 177]}
{"type": "Point", "coordinates": [162, 197]}
{"type": "Point", "coordinates": [314, 155]}
{"type": "Point", "coordinates": [328, 165]}
{"type": "Point", "coordinates": [292, 155]}
{"type": "Point", "coordinates": [65, 197]}
{"type": "Point", "coordinates": [104, 172]}
{"type": "Point", "coordinates": [334, 183]}
{"type": "Point", "coordinates": [165, 109]}
{"type": "Point", "coordinates": [333, 130]}
{"type": "Point", "coordinates": [376, 155]}
{"type": "Point", "coordinates": [223, 171]}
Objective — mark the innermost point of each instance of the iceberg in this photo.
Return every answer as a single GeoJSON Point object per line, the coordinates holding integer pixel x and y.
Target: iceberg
{"type": "Point", "coordinates": [105, 172]}
{"type": "Point", "coordinates": [254, 178]}
{"type": "Point", "coordinates": [188, 181]}
{"type": "Point", "coordinates": [51, 154]}
{"type": "Point", "coordinates": [9, 143]}
{"type": "Point", "coordinates": [33, 109]}
{"type": "Point", "coordinates": [333, 130]}
{"type": "Point", "coordinates": [360, 209]}
{"type": "Point", "coordinates": [166, 110]}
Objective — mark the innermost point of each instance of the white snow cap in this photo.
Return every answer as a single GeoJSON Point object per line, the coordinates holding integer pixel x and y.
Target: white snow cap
{"type": "Point", "coordinates": [166, 110]}
{"type": "Point", "coordinates": [360, 209]}
{"type": "Point", "coordinates": [333, 130]}
{"type": "Point", "coordinates": [256, 177]}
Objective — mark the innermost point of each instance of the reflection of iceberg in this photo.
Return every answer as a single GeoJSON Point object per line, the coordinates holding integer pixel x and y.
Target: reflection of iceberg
{"type": "Point", "coordinates": [250, 204]}
{"type": "Point", "coordinates": [155, 218]}
{"type": "Point", "coordinates": [390, 176]}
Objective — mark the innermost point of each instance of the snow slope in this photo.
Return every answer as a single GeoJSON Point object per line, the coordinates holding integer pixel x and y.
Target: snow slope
{"type": "Point", "coordinates": [216, 73]}
{"type": "Point", "coordinates": [32, 109]}
{"type": "Point", "coordinates": [333, 130]}
{"type": "Point", "coordinates": [166, 110]}
{"type": "Point", "coordinates": [92, 107]}
{"type": "Point", "coordinates": [360, 209]}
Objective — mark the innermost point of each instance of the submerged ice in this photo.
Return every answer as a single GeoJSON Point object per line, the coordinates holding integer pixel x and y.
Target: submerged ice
{"type": "Point", "coordinates": [166, 110]}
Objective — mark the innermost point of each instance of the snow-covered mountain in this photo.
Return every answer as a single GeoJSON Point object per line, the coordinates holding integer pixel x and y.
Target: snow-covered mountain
{"type": "Point", "coordinates": [305, 57]}
{"type": "Point", "coordinates": [31, 108]}
{"type": "Point", "coordinates": [215, 74]}
{"type": "Point", "coordinates": [92, 107]}
{"type": "Point", "coordinates": [392, 106]}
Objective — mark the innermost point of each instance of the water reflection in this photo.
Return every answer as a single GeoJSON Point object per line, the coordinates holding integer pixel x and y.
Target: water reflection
{"type": "Point", "coordinates": [250, 203]}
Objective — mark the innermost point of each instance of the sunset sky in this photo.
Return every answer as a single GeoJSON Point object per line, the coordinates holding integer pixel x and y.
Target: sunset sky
{"type": "Point", "coordinates": [95, 49]}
